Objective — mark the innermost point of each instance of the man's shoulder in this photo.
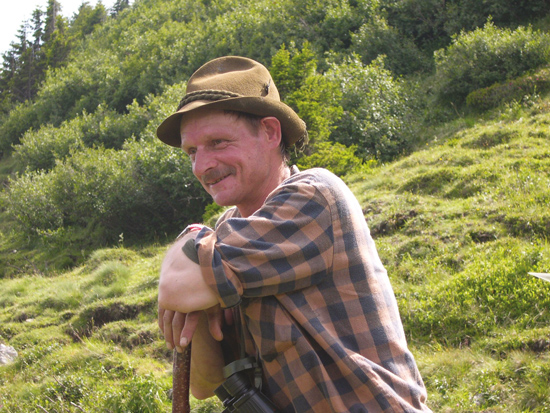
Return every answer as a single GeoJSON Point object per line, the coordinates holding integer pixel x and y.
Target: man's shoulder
{"type": "Point", "coordinates": [232, 212]}
{"type": "Point", "coordinates": [318, 177]}
{"type": "Point", "coordinates": [313, 175]}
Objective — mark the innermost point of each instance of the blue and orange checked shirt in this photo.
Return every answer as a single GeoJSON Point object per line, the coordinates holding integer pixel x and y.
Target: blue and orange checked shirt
{"type": "Point", "coordinates": [315, 299]}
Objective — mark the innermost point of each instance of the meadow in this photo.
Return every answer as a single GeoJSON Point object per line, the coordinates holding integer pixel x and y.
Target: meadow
{"type": "Point", "coordinates": [458, 224]}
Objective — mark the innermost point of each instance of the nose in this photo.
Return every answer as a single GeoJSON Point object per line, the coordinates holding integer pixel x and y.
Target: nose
{"type": "Point", "coordinates": [202, 162]}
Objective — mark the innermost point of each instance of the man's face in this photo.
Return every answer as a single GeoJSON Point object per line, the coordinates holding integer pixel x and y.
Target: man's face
{"type": "Point", "coordinates": [232, 161]}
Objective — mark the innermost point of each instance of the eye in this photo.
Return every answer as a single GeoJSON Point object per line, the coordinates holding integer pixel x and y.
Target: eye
{"type": "Point", "coordinates": [191, 152]}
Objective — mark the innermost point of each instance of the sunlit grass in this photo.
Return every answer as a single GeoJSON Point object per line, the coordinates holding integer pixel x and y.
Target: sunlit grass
{"type": "Point", "coordinates": [458, 226]}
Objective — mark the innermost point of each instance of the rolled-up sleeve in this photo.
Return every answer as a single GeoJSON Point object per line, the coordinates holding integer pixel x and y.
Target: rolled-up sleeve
{"type": "Point", "coordinates": [285, 246]}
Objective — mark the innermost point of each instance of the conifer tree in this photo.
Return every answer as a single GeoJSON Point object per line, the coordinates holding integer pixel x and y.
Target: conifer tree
{"type": "Point", "coordinates": [119, 6]}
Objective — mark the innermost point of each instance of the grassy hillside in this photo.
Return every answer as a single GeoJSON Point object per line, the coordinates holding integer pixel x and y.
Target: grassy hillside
{"type": "Point", "coordinates": [459, 224]}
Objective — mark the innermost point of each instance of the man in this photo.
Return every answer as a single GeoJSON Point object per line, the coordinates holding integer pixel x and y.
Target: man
{"type": "Point", "coordinates": [294, 255]}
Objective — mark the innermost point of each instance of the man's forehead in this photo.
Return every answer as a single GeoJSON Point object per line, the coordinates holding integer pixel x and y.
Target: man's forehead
{"type": "Point", "coordinates": [203, 121]}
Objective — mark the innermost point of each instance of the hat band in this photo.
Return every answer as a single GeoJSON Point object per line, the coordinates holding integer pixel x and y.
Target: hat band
{"type": "Point", "coordinates": [209, 94]}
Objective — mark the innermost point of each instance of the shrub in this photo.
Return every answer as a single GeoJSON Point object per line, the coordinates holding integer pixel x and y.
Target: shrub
{"type": "Point", "coordinates": [486, 56]}
{"type": "Point", "coordinates": [505, 92]}
{"type": "Point", "coordinates": [335, 157]}
{"type": "Point", "coordinates": [431, 23]}
{"type": "Point", "coordinates": [313, 96]}
{"type": "Point", "coordinates": [145, 190]}
{"type": "Point", "coordinates": [39, 149]}
{"type": "Point", "coordinates": [377, 114]}
{"type": "Point", "coordinates": [12, 127]}
{"type": "Point", "coordinates": [378, 38]}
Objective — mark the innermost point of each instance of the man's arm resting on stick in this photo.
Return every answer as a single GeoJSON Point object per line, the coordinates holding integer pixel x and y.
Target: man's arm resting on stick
{"type": "Point", "coordinates": [181, 285]}
{"type": "Point", "coordinates": [182, 294]}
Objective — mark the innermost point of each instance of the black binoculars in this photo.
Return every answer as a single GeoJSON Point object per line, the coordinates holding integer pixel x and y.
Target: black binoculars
{"type": "Point", "coordinates": [238, 395]}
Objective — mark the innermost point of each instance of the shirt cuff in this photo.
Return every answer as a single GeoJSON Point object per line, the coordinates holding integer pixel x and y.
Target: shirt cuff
{"type": "Point", "coordinates": [190, 250]}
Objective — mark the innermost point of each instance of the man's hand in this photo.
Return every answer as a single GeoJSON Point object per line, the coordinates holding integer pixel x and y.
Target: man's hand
{"type": "Point", "coordinates": [207, 358]}
{"type": "Point", "coordinates": [178, 328]}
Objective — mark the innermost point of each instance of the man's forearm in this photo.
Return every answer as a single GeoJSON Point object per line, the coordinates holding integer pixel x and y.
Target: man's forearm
{"type": "Point", "coordinates": [181, 285]}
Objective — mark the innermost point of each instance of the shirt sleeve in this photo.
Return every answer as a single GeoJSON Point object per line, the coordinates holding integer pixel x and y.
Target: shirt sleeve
{"type": "Point", "coordinates": [286, 245]}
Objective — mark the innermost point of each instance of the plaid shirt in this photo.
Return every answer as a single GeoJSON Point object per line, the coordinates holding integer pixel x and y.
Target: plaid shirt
{"type": "Point", "coordinates": [315, 299]}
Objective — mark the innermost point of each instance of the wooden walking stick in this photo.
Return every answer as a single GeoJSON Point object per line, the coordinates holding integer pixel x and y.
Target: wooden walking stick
{"type": "Point", "coordinates": [181, 370]}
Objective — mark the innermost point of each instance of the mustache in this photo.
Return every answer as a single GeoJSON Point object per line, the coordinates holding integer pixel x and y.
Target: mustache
{"type": "Point", "coordinates": [214, 174]}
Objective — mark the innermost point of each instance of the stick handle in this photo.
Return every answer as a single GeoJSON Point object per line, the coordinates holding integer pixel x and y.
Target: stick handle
{"type": "Point", "coordinates": [181, 380]}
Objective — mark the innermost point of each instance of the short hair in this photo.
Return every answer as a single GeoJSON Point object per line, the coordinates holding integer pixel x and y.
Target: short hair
{"type": "Point", "coordinates": [253, 122]}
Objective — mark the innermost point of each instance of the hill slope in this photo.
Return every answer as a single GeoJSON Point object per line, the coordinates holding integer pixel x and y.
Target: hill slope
{"type": "Point", "coordinates": [458, 224]}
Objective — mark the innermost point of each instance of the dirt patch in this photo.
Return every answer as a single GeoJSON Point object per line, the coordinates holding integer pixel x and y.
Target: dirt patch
{"type": "Point", "coordinates": [393, 223]}
{"type": "Point", "coordinates": [92, 318]}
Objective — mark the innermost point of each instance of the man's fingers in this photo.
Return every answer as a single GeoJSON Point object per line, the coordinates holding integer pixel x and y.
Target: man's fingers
{"type": "Point", "coordinates": [215, 317]}
{"type": "Point", "coordinates": [166, 327]}
{"type": "Point", "coordinates": [161, 319]}
{"type": "Point", "coordinates": [191, 322]}
{"type": "Point", "coordinates": [177, 327]}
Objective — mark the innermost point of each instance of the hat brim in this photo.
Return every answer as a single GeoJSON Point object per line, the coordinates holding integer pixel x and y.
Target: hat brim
{"type": "Point", "coordinates": [292, 127]}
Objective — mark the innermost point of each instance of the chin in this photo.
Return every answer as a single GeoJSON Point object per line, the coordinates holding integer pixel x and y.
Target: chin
{"type": "Point", "coordinates": [222, 202]}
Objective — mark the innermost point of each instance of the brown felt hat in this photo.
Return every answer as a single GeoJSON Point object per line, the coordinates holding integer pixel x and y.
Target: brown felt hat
{"type": "Point", "coordinates": [233, 83]}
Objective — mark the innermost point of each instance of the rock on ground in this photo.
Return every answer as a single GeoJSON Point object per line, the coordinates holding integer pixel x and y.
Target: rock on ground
{"type": "Point", "coordinates": [7, 354]}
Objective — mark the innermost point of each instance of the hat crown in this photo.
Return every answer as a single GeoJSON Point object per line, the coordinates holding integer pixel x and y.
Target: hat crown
{"type": "Point", "coordinates": [238, 84]}
{"type": "Point", "coordinates": [238, 75]}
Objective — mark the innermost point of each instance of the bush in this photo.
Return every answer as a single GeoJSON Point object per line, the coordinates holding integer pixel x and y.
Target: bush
{"type": "Point", "coordinates": [377, 110]}
{"type": "Point", "coordinates": [146, 190]}
{"type": "Point", "coordinates": [21, 118]}
{"type": "Point", "coordinates": [431, 23]}
{"type": "Point", "coordinates": [486, 56]}
{"type": "Point", "coordinates": [40, 149]}
{"type": "Point", "coordinates": [313, 96]}
{"type": "Point", "coordinates": [378, 38]}
{"type": "Point", "coordinates": [514, 90]}
{"type": "Point", "coordinates": [335, 157]}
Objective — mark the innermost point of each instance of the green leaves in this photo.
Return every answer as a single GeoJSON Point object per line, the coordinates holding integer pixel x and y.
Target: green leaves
{"type": "Point", "coordinates": [377, 112]}
{"type": "Point", "coordinates": [486, 56]}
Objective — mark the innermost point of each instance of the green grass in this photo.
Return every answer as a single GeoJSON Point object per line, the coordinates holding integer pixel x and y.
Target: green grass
{"type": "Point", "coordinates": [458, 224]}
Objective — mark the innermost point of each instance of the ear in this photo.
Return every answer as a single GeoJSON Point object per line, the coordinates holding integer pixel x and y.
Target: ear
{"type": "Point", "coordinates": [272, 129]}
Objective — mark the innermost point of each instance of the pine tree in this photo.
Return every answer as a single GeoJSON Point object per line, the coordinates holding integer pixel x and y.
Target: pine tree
{"type": "Point", "coordinates": [119, 6]}
{"type": "Point", "coordinates": [57, 43]}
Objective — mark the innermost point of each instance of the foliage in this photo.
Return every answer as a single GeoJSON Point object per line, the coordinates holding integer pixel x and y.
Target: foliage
{"type": "Point", "coordinates": [432, 23]}
{"type": "Point", "coordinates": [145, 190]}
{"type": "Point", "coordinates": [40, 149]}
{"type": "Point", "coordinates": [377, 38]}
{"type": "Point", "coordinates": [514, 90]}
{"type": "Point", "coordinates": [377, 113]}
{"type": "Point", "coordinates": [43, 44]}
{"type": "Point", "coordinates": [486, 56]}
{"type": "Point", "coordinates": [335, 157]}
{"type": "Point", "coordinates": [314, 97]}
